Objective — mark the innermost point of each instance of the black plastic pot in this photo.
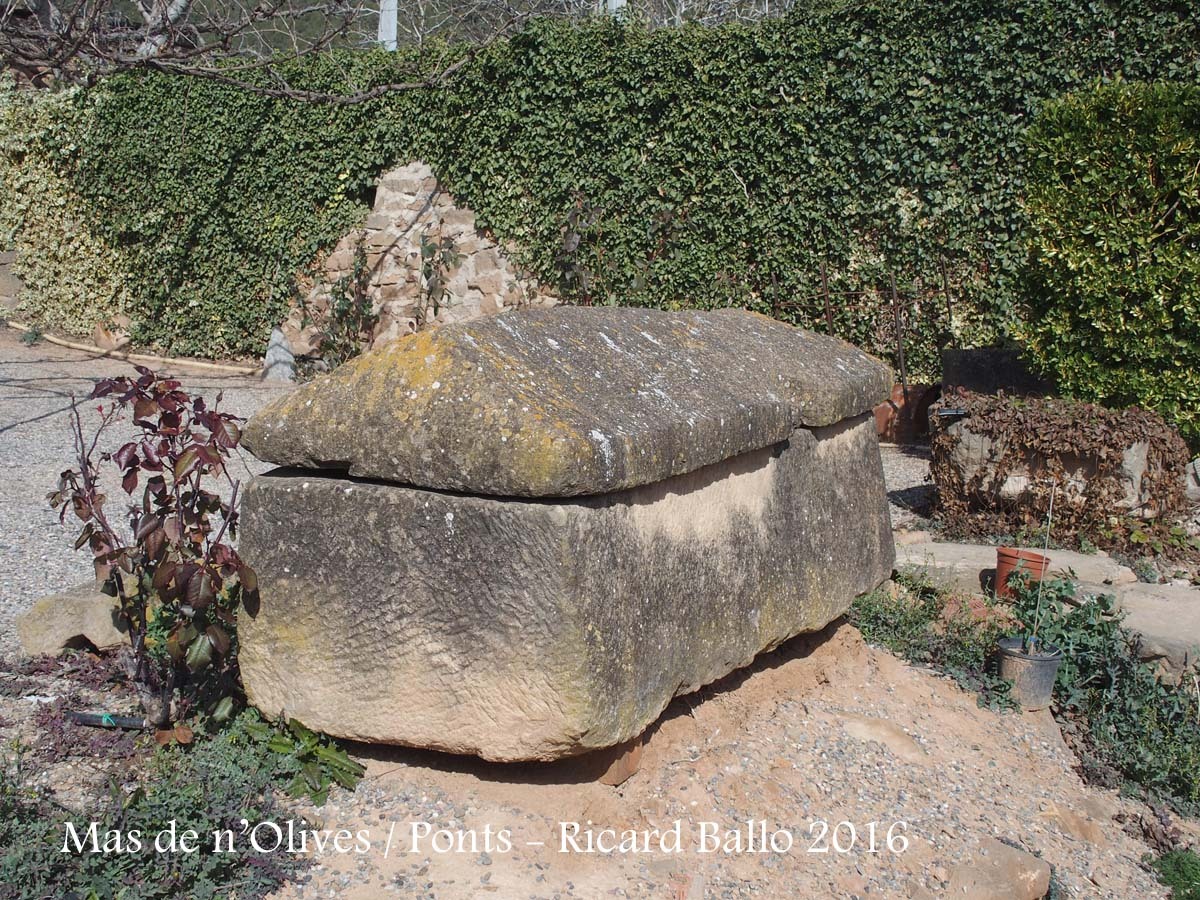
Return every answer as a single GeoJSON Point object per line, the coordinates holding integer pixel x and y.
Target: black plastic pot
{"type": "Point", "coordinates": [1032, 674]}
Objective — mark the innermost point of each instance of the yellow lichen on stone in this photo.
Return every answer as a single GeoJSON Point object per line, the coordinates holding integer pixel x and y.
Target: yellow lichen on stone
{"type": "Point", "coordinates": [566, 403]}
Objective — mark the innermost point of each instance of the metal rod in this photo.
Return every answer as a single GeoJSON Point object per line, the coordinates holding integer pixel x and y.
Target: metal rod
{"type": "Point", "coordinates": [1037, 618]}
{"type": "Point", "coordinates": [825, 294]}
{"type": "Point", "coordinates": [949, 307]}
{"type": "Point", "coordinates": [899, 334]}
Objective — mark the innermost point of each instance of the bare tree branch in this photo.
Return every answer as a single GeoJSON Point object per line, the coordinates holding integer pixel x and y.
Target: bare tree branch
{"type": "Point", "coordinates": [248, 43]}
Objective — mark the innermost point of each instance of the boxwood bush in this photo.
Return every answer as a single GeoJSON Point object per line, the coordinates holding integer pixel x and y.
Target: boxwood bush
{"type": "Point", "coordinates": [691, 167]}
{"type": "Point", "coordinates": [1114, 262]}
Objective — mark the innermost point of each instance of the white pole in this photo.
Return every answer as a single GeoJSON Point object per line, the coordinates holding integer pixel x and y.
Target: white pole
{"type": "Point", "coordinates": [388, 25]}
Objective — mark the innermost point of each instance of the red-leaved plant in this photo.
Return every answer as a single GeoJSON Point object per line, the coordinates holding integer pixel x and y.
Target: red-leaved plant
{"type": "Point", "coordinates": [177, 582]}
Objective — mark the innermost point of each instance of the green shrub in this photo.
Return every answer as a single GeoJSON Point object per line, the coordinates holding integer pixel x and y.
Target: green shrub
{"type": "Point", "coordinates": [1135, 723]}
{"type": "Point", "coordinates": [723, 166]}
{"type": "Point", "coordinates": [219, 199]}
{"type": "Point", "coordinates": [210, 785]}
{"type": "Point", "coordinates": [912, 622]}
{"type": "Point", "coordinates": [692, 167]}
{"type": "Point", "coordinates": [74, 277]}
{"type": "Point", "coordinates": [1180, 871]}
{"type": "Point", "coordinates": [1114, 234]}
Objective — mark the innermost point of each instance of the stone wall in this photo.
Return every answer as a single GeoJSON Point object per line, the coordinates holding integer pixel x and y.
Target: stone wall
{"type": "Point", "coordinates": [411, 209]}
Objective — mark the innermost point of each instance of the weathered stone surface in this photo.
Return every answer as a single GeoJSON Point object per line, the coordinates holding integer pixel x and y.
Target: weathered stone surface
{"type": "Point", "coordinates": [1000, 872]}
{"type": "Point", "coordinates": [79, 616]}
{"type": "Point", "coordinates": [279, 364]}
{"type": "Point", "coordinates": [1167, 619]}
{"type": "Point", "coordinates": [518, 629]}
{"type": "Point", "coordinates": [568, 401]}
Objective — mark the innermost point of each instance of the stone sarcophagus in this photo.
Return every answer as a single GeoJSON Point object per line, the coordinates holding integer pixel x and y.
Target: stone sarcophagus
{"type": "Point", "coordinates": [520, 537]}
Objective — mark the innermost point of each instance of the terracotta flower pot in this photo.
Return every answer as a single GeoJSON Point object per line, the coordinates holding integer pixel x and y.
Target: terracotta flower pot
{"type": "Point", "coordinates": [904, 417]}
{"type": "Point", "coordinates": [1009, 559]}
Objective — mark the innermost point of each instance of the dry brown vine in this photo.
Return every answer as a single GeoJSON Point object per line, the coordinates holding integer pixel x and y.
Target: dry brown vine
{"type": "Point", "coordinates": [1047, 438]}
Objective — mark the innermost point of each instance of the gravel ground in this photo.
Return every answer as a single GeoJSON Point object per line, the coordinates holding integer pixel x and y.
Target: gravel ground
{"type": "Point", "coordinates": [36, 386]}
{"type": "Point", "coordinates": [823, 730]}
{"type": "Point", "coordinates": [910, 490]}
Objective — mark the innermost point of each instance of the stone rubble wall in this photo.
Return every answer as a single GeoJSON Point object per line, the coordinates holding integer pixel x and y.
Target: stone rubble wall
{"type": "Point", "coordinates": [410, 205]}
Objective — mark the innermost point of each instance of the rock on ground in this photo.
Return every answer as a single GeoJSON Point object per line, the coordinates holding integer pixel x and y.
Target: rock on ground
{"type": "Point", "coordinates": [1000, 872]}
{"type": "Point", "coordinates": [78, 617]}
{"type": "Point", "coordinates": [1168, 620]}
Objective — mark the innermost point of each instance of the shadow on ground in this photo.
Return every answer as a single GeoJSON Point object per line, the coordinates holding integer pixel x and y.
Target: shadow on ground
{"type": "Point", "coordinates": [590, 766]}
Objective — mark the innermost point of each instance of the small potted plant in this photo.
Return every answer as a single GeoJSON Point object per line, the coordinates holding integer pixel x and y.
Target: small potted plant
{"type": "Point", "coordinates": [1029, 662]}
{"type": "Point", "coordinates": [1012, 559]}
{"type": "Point", "coordinates": [1032, 666]}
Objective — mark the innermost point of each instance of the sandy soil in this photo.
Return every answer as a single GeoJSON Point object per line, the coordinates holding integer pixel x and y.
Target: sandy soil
{"type": "Point", "coordinates": [826, 729]}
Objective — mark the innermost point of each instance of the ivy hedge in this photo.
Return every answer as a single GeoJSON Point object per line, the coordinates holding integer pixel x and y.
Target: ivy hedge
{"type": "Point", "coordinates": [213, 200]}
{"type": "Point", "coordinates": [1113, 277]}
{"type": "Point", "coordinates": [76, 276]}
{"type": "Point", "coordinates": [690, 167]}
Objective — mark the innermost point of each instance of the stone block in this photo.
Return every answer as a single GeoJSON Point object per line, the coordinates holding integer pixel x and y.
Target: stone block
{"type": "Point", "coordinates": [456, 220]}
{"type": "Point", "coordinates": [490, 283]}
{"type": "Point", "coordinates": [487, 260]}
{"type": "Point", "coordinates": [564, 519]}
{"type": "Point", "coordinates": [568, 401]}
{"type": "Point", "coordinates": [341, 259]}
{"type": "Point", "coordinates": [535, 629]}
{"type": "Point", "coordinates": [975, 456]}
{"type": "Point", "coordinates": [405, 291]}
{"type": "Point", "coordinates": [382, 240]}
